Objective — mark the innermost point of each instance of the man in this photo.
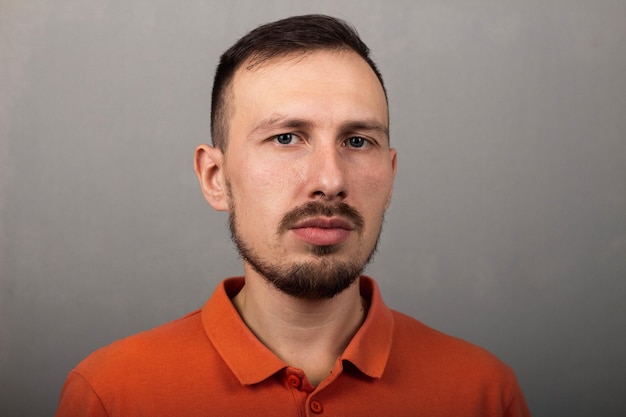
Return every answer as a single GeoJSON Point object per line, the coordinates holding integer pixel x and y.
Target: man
{"type": "Point", "coordinates": [301, 161]}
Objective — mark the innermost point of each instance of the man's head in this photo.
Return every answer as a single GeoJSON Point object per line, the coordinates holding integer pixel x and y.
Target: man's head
{"type": "Point", "coordinates": [308, 173]}
{"type": "Point", "coordinates": [298, 34]}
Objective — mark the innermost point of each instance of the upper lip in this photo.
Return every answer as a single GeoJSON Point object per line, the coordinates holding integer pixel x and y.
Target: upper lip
{"type": "Point", "coordinates": [325, 223]}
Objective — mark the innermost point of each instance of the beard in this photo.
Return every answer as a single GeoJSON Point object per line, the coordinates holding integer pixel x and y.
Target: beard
{"type": "Point", "coordinates": [319, 279]}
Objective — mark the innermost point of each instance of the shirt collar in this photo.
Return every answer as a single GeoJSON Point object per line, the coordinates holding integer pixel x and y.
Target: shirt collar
{"type": "Point", "coordinates": [252, 362]}
{"type": "Point", "coordinates": [249, 359]}
{"type": "Point", "coordinates": [369, 348]}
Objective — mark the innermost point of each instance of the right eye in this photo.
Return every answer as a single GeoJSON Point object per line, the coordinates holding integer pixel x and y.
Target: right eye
{"type": "Point", "coordinates": [285, 138]}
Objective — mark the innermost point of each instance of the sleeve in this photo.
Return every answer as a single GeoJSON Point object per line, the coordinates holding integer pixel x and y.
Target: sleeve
{"type": "Point", "coordinates": [517, 406]}
{"type": "Point", "coordinates": [78, 399]}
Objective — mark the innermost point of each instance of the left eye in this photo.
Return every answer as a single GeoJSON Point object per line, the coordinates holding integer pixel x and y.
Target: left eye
{"type": "Point", "coordinates": [356, 142]}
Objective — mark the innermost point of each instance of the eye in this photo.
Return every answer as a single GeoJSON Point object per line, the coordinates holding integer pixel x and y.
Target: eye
{"type": "Point", "coordinates": [285, 138]}
{"type": "Point", "coordinates": [356, 142]}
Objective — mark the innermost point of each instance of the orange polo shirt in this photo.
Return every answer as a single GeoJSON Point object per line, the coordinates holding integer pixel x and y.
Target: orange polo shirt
{"type": "Point", "coordinates": [209, 363]}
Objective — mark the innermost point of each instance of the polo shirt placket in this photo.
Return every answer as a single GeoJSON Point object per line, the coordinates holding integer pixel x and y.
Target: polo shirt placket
{"type": "Point", "coordinates": [252, 362]}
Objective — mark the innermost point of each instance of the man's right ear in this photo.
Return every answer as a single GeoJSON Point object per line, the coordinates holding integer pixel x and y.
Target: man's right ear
{"type": "Point", "coordinates": [208, 163]}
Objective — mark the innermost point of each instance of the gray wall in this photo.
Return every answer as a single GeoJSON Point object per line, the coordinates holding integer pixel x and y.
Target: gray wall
{"type": "Point", "coordinates": [508, 226]}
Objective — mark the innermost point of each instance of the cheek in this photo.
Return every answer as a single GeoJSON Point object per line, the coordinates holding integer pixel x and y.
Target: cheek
{"type": "Point", "coordinates": [270, 183]}
{"type": "Point", "coordinates": [262, 190]}
{"type": "Point", "coordinates": [375, 187]}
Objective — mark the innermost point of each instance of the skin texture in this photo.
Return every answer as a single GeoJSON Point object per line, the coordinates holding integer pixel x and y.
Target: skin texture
{"type": "Point", "coordinates": [306, 130]}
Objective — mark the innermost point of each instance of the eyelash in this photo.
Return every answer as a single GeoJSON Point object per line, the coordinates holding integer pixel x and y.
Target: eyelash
{"type": "Point", "coordinates": [277, 138]}
{"type": "Point", "coordinates": [291, 136]}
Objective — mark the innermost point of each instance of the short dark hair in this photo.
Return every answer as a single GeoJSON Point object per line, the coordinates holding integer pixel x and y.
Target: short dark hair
{"type": "Point", "coordinates": [294, 34]}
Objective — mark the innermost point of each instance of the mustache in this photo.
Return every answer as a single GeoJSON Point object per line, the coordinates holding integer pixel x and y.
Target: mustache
{"type": "Point", "coordinates": [315, 208]}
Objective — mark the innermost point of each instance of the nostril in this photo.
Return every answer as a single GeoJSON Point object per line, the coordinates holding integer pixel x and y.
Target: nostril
{"type": "Point", "coordinates": [321, 194]}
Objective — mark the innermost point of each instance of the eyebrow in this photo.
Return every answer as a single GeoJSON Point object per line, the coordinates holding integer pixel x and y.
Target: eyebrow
{"type": "Point", "coordinates": [367, 125]}
{"type": "Point", "coordinates": [280, 121]}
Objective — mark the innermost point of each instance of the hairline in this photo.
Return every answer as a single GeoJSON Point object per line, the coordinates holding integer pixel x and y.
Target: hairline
{"type": "Point", "coordinates": [258, 60]}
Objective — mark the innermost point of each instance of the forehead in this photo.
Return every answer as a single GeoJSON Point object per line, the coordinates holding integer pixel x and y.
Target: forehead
{"type": "Point", "coordinates": [326, 84]}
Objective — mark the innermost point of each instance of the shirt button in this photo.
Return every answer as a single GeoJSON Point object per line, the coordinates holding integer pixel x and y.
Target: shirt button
{"type": "Point", "coordinates": [294, 381]}
{"type": "Point", "coordinates": [316, 407]}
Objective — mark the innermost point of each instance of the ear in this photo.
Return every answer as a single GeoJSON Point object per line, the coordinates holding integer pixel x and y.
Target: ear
{"type": "Point", "coordinates": [394, 159]}
{"type": "Point", "coordinates": [208, 163]}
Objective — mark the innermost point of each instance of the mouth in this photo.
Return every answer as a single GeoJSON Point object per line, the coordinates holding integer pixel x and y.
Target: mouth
{"type": "Point", "coordinates": [325, 223]}
{"type": "Point", "coordinates": [323, 231]}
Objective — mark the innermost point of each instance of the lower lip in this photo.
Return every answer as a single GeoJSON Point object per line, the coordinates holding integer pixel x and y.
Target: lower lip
{"type": "Point", "coordinates": [322, 237]}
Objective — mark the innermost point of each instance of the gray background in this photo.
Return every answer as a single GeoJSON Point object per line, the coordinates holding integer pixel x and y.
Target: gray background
{"type": "Point", "coordinates": [508, 225]}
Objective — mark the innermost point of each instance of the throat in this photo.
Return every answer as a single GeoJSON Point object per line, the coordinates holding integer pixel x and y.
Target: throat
{"type": "Point", "coordinates": [306, 335]}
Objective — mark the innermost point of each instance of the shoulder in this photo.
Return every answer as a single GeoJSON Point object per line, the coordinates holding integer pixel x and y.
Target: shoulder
{"type": "Point", "coordinates": [157, 345]}
{"type": "Point", "coordinates": [419, 344]}
{"type": "Point", "coordinates": [161, 367]}
{"type": "Point", "coordinates": [449, 373]}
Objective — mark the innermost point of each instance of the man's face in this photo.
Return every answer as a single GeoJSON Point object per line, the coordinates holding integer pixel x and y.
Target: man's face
{"type": "Point", "coordinates": [308, 169]}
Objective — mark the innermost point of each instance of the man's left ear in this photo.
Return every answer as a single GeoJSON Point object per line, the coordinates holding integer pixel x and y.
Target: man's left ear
{"type": "Point", "coordinates": [208, 164]}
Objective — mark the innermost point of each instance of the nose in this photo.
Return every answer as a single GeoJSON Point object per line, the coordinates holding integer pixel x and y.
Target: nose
{"type": "Point", "coordinates": [327, 175]}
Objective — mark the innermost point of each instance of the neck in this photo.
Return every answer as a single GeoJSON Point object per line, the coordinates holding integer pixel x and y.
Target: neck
{"type": "Point", "coordinates": [307, 334]}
